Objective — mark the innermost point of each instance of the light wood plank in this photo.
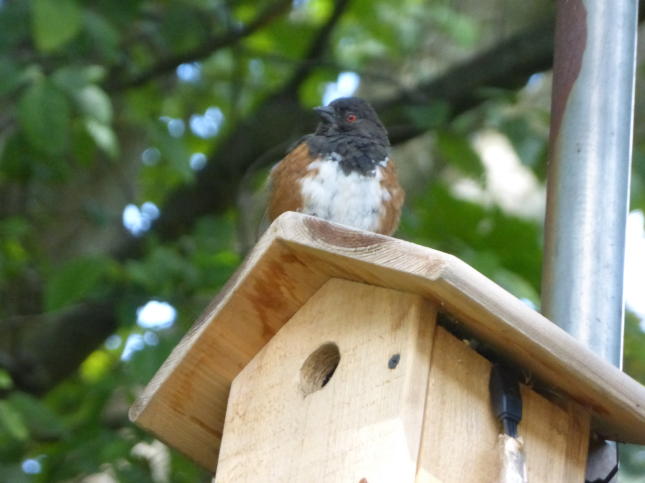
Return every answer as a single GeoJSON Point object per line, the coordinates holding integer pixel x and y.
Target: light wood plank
{"type": "Point", "coordinates": [460, 432]}
{"type": "Point", "coordinates": [549, 429]}
{"type": "Point", "coordinates": [365, 423]}
{"type": "Point", "coordinates": [459, 442]}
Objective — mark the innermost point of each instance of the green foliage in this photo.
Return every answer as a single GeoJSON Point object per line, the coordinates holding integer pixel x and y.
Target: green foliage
{"type": "Point", "coordinates": [429, 116]}
{"type": "Point", "coordinates": [55, 22]}
{"type": "Point", "coordinates": [456, 150]}
{"type": "Point", "coordinates": [458, 26]}
{"type": "Point", "coordinates": [5, 380]}
{"type": "Point", "coordinates": [74, 281]}
{"type": "Point", "coordinates": [44, 114]}
{"type": "Point", "coordinates": [40, 421]}
{"type": "Point", "coordinates": [502, 246]}
{"type": "Point", "coordinates": [637, 192]}
{"type": "Point", "coordinates": [12, 422]}
{"type": "Point", "coordinates": [10, 76]}
{"type": "Point", "coordinates": [13, 256]}
{"type": "Point", "coordinates": [632, 456]}
{"type": "Point", "coordinates": [87, 92]}
{"type": "Point", "coordinates": [634, 343]}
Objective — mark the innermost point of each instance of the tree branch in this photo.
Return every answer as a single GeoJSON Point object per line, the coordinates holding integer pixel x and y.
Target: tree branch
{"type": "Point", "coordinates": [507, 65]}
{"type": "Point", "coordinates": [328, 63]}
{"type": "Point", "coordinates": [208, 47]}
{"type": "Point", "coordinates": [277, 121]}
{"type": "Point", "coordinates": [51, 350]}
{"type": "Point", "coordinates": [318, 46]}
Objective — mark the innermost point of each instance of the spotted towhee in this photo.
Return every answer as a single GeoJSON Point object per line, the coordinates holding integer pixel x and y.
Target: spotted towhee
{"type": "Point", "coordinates": [342, 172]}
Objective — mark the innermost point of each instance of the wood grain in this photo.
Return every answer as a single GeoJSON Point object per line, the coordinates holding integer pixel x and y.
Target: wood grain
{"type": "Point", "coordinates": [461, 434]}
{"type": "Point", "coordinates": [294, 258]}
{"type": "Point", "coordinates": [365, 423]}
{"type": "Point", "coordinates": [617, 401]}
{"type": "Point", "coordinates": [556, 438]}
{"type": "Point", "coordinates": [459, 431]}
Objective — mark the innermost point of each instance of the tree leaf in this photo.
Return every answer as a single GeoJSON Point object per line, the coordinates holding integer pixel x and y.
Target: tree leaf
{"type": "Point", "coordinates": [457, 150]}
{"type": "Point", "coordinates": [428, 116]}
{"type": "Point", "coordinates": [73, 78]}
{"type": "Point", "coordinates": [54, 23]}
{"type": "Point", "coordinates": [16, 160]}
{"type": "Point", "coordinates": [5, 380]}
{"type": "Point", "coordinates": [103, 136]}
{"type": "Point", "coordinates": [95, 104]}
{"type": "Point", "coordinates": [105, 38]}
{"type": "Point", "coordinates": [45, 117]}
{"type": "Point", "coordinates": [10, 76]}
{"type": "Point", "coordinates": [462, 28]}
{"type": "Point", "coordinates": [40, 420]}
{"type": "Point", "coordinates": [11, 421]}
{"type": "Point", "coordinates": [74, 281]}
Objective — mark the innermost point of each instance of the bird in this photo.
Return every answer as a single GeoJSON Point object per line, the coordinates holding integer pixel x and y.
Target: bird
{"type": "Point", "coordinates": [342, 172]}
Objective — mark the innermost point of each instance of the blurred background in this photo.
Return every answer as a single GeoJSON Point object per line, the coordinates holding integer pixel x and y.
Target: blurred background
{"type": "Point", "coordinates": [135, 138]}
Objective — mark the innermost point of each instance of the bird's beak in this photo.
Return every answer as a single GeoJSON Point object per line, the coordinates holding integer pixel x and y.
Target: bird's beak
{"type": "Point", "coordinates": [326, 113]}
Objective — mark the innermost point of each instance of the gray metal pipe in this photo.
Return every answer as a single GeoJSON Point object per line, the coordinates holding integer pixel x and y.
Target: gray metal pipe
{"type": "Point", "coordinates": [589, 170]}
{"type": "Point", "coordinates": [588, 182]}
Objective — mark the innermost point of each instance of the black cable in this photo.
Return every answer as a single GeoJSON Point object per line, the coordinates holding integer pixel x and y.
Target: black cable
{"type": "Point", "coordinates": [506, 398]}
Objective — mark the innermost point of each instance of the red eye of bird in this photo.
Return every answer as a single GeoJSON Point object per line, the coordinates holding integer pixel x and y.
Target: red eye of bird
{"type": "Point", "coordinates": [351, 117]}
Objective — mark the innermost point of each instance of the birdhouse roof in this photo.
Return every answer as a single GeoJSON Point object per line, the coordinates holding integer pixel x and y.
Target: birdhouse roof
{"type": "Point", "coordinates": [185, 403]}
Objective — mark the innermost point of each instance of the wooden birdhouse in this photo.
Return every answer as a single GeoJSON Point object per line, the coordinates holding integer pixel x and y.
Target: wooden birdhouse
{"type": "Point", "coordinates": [322, 360]}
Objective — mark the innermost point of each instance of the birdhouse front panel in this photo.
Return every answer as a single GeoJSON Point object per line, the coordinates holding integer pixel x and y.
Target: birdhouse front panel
{"type": "Point", "coordinates": [337, 395]}
{"type": "Point", "coordinates": [362, 385]}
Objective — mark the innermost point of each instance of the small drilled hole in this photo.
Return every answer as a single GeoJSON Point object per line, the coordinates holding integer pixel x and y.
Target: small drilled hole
{"type": "Point", "coordinates": [319, 368]}
{"type": "Point", "coordinates": [394, 361]}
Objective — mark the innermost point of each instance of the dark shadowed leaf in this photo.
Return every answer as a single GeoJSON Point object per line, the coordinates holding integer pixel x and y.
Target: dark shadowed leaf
{"type": "Point", "coordinates": [45, 117]}
{"type": "Point", "coordinates": [10, 76]}
{"type": "Point", "coordinates": [41, 421]}
{"type": "Point", "coordinates": [74, 280]}
{"type": "Point", "coordinates": [456, 149]}
{"type": "Point", "coordinates": [16, 160]}
{"type": "Point", "coordinates": [428, 116]}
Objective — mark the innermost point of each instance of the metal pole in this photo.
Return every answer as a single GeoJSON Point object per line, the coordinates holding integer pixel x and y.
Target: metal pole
{"type": "Point", "coordinates": [588, 179]}
{"type": "Point", "coordinates": [588, 175]}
